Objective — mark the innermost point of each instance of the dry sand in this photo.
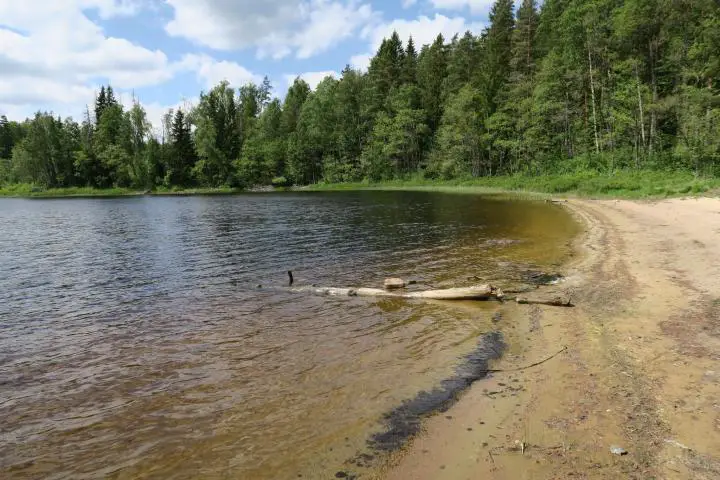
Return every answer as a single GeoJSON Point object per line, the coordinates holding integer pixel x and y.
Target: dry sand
{"type": "Point", "coordinates": [642, 369]}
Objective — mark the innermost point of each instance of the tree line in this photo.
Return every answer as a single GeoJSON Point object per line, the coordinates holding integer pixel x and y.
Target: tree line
{"type": "Point", "coordinates": [576, 85]}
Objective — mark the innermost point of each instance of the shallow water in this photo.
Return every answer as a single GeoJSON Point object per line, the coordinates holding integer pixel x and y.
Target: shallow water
{"type": "Point", "coordinates": [134, 342]}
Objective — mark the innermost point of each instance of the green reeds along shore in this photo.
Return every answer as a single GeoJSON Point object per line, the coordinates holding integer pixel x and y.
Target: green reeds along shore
{"type": "Point", "coordinates": [623, 184]}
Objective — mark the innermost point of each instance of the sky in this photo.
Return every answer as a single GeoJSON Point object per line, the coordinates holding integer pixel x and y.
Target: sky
{"type": "Point", "coordinates": [55, 54]}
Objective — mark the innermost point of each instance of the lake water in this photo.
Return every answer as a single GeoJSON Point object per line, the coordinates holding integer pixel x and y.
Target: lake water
{"type": "Point", "coordinates": [135, 342]}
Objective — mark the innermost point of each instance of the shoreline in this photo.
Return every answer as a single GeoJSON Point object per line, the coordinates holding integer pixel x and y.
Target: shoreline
{"type": "Point", "coordinates": [624, 184]}
{"type": "Point", "coordinates": [642, 369]}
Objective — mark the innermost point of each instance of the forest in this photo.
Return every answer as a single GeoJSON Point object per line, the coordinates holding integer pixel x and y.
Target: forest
{"type": "Point", "coordinates": [572, 86]}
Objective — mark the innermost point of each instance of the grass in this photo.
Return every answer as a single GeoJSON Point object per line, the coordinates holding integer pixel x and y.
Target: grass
{"type": "Point", "coordinates": [625, 184]}
{"type": "Point", "coordinates": [31, 191]}
{"type": "Point", "coordinates": [622, 184]}
{"type": "Point", "coordinates": [26, 190]}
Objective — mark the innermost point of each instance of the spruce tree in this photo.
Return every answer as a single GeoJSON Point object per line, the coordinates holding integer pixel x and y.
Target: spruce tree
{"type": "Point", "coordinates": [432, 69]}
{"type": "Point", "coordinates": [6, 140]}
{"type": "Point", "coordinates": [463, 63]}
{"type": "Point", "coordinates": [182, 157]}
{"type": "Point", "coordinates": [498, 50]}
{"type": "Point", "coordinates": [110, 99]}
{"type": "Point", "coordinates": [409, 68]}
{"type": "Point", "coordinates": [100, 105]}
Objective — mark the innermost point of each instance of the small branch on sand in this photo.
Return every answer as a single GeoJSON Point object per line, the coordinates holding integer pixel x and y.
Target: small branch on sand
{"type": "Point", "coordinates": [528, 366]}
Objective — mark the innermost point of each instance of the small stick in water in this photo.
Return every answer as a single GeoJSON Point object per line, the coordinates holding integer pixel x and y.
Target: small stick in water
{"type": "Point", "coordinates": [291, 277]}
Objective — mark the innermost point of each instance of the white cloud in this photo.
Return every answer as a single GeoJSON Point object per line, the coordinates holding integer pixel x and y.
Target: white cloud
{"type": "Point", "coordinates": [361, 61]}
{"type": "Point", "coordinates": [312, 78]}
{"type": "Point", "coordinates": [408, 3]}
{"type": "Point", "coordinates": [210, 72]}
{"type": "Point", "coordinates": [52, 55]}
{"type": "Point", "coordinates": [424, 30]}
{"type": "Point", "coordinates": [276, 28]}
{"type": "Point", "coordinates": [475, 6]}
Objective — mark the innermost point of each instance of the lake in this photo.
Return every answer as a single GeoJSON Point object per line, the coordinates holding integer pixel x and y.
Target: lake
{"type": "Point", "coordinates": [153, 337]}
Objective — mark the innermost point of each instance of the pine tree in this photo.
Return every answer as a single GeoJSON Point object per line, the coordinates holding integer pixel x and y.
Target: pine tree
{"type": "Point", "coordinates": [523, 48]}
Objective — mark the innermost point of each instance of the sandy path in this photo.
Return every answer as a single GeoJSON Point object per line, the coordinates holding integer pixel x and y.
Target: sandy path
{"type": "Point", "coordinates": [642, 369]}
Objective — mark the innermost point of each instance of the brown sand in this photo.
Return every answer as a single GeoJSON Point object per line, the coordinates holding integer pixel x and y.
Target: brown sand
{"type": "Point", "coordinates": [642, 369]}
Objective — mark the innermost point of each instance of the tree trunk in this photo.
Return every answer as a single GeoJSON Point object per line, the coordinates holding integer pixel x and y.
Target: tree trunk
{"type": "Point", "coordinates": [592, 95]}
{"type": "Point", "coordinates": [653, 115]}
{"type": "Point", "coordinates": [640, 108]}
{"type": "Point", "coordinates": [568, 141]}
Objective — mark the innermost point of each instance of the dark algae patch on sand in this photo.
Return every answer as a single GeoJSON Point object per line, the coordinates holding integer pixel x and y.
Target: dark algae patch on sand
{"type": "Point", "coordinates": [405, 421]}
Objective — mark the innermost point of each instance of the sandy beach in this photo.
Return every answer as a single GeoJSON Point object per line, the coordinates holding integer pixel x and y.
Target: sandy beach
{"type": "Point", "coordinates": [641, 370]}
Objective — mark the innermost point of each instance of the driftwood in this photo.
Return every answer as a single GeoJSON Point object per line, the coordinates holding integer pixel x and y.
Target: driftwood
{"type": "Point", "coordinates": [394, 283]}
{"type": "Point", "coordinates": [394, 287]}
{"type": "Point", "coordinates": [479, 292]}
{"type": "Point", "coordinates": [550, 301]}
{"type": "Point", "coordinates": [520, 369]}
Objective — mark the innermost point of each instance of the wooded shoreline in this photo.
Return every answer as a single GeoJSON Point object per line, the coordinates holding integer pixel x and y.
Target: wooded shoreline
{"type": "Point", "coordinates": [569, 88]}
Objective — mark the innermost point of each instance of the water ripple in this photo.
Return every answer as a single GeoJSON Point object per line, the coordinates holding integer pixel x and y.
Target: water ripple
{"type": "Point", "coordinates": [134, 343]}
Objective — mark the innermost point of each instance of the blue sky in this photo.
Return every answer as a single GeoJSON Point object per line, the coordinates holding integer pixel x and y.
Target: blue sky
{"type": "Point", "coordinates": [54, 54]}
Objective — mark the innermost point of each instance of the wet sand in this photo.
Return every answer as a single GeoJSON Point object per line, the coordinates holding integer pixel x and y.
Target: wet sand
{"type": "Point", "coordinates": [642, 368]}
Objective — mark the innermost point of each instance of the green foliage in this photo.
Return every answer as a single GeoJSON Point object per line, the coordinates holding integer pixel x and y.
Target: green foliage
{"type": "Point", "coordinates": [45, 155]}
{"type": "Point", "coordinates": [459, 143]}
{"type": "Point", "coordinates": [572, 92]}
{"type": "Point", "coordinates": [314, 139]}
{"type": "Point", "coordinates": [621, 184]}
{"type": "Point", "coordinates": [431, 73]}
{"type": "Point", "coordinates": [181, 153]}
{"type": "Point", "coordinates": [396, 141]}
{"type": "Point", "coordinates": [217, 138]}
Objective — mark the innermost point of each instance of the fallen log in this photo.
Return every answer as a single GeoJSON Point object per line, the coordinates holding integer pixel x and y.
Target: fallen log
{"type": "Point", "coordinates": [394, 287]}
{"type": "Point", "coordinates": [478, 292]}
